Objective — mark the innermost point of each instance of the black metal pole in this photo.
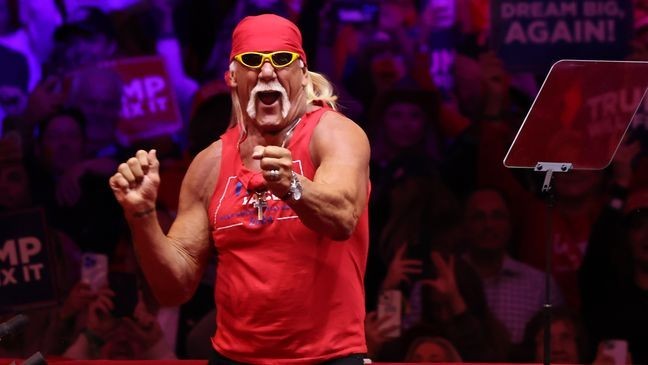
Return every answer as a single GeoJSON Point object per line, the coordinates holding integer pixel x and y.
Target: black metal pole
{"type": "Point", "coordinates": [549, 200]}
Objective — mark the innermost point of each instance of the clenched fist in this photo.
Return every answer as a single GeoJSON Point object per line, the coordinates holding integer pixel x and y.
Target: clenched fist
{"type": "Point", "coordinates": [276, 167]}
{"type": "Point", "coordinates": [136, 183]}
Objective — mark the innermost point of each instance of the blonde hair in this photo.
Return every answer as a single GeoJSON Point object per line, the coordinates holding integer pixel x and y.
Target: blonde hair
{"type": "Point", "coordinates": [237, 118]}
{"type": "Point", "coordinates": [319, 90]}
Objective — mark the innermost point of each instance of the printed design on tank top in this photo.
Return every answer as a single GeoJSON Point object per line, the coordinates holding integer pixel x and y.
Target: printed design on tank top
{"type": "Point", "coordinates": [243, 211]}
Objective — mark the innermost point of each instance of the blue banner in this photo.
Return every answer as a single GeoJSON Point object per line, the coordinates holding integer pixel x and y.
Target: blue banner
{"type": "Point", "coordinates": [532, 35]}
{"type": "Point", "coordinates": [27, 268]}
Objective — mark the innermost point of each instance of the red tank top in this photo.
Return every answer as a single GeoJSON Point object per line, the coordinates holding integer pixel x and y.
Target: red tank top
{"type": "Point", "coordinates": [284, 293]}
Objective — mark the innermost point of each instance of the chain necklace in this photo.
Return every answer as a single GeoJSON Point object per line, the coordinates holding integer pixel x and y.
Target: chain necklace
{"type": "Point", "coordinates": [289, 132]}
{"type": "Point", "coordinates": [258, 198]}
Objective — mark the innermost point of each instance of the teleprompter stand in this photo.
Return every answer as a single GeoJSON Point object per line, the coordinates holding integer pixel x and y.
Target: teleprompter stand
{"type": "Point", "coordinates": [579, 116]}
{"type": "Point", "coordinates": [549, 168]}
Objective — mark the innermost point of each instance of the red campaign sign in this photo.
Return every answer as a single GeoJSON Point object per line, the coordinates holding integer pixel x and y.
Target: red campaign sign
{"type": "Point", "coordinates": [149, 105]}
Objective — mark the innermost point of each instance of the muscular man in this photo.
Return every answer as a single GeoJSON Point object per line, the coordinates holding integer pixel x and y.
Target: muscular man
{"type": "Point", "coordinates": [283, 197]}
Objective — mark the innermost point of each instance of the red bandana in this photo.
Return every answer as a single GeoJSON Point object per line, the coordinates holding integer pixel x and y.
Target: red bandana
{"type": "Point", "coordinates": [266, 33]}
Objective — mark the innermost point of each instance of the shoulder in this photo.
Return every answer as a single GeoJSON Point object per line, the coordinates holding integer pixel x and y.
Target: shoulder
{"type": "Point", "coordinates": [334, 119]}
{"type": "Point", "coordinates": [203, 172]}
{"type": "Point", "coordinates": [336, 132]}
{"type": "Point", "coordinates": [523, 270]}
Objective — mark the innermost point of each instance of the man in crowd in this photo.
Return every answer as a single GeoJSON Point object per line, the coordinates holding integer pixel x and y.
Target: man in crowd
{"type": "Point", "coordinates": [514, 291]}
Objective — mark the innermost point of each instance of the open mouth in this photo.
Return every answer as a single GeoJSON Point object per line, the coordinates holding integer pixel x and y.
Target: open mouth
{"type": "Point", "coordinates": [268, 97]}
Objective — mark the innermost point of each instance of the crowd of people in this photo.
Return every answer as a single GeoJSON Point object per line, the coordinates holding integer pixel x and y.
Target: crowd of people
{"type": "Point", "coordinates": [458, 235]}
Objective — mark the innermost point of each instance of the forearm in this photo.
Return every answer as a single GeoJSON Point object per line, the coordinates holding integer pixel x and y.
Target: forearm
{"type": "Point", "coordinates": [169, 270]}
{"type": "Point", "coordinates": [327, 210]}
{"type": "Point", "coordinates": [173, 262]}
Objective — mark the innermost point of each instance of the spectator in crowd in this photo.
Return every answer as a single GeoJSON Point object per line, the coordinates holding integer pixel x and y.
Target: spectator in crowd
{"type": "Point", "coordinates": [579, 195]}
{"type": "Point", "coordinates": [446, 297]}
{"type": "Point", "coordinates": [210, 117]}
{"type": "Point", "coordinates": [482, 94]}
{"type": "Point", "coordinates": [13, 90]}
{"type": "Point", "coordinates": [120, 323]}
{"type": "Point", "coordinates": [48, 328]}
{"type": "Point", "coordinates": [438, 40]}
{"type": "Point", "coordinates": [61, 149]}
{"type": "Point", "coordinates": [234, 11]}
{"type": "Point", "coordinates": [203, 29]}
{"type": "Point", "coordinates": [394, 19]}
{"type": "Point", "coordinates": [408, 196]}
{"type": "Point", "coordinates": [69, 185]}
{"type": "Point", "coordinates": [474, 20]}
{"type": "Point", "coordinates": [14, 179]}
{"type": "Point", "coordinates": [640, 8]}
{"type": "Point", "coordinates": [568, 339]}
{"type": "Point", "coordinates": [15, 37]}
{"type": "Point", "coordinates": [613, 277]}
{"type": "Point", "coordinates": [39, 20]}
{"type": "Point", "coordinates": [98, 94]}
{"type": "Point", "coordinates": [515, 291]}
{"type": "Point", "coordinates": [432, 349]}
{"type": "Point", "coordinates": [379, 66]}
{"type": "Point", "coordinates": [86, 38]}
{"type": "Point", "coordinates": [147, 29]}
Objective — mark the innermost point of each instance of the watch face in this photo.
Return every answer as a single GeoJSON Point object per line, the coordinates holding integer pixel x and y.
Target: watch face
{"type": "Point", "coordinates": [295, 187]}
{"type": "Point", "coordinates": [296, 193]}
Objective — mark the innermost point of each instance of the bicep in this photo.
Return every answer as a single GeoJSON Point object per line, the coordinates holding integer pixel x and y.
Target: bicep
{"type": "Point", "coordinates": [190, 230]}
{"type": "Point", "coordinates": [341, 151]}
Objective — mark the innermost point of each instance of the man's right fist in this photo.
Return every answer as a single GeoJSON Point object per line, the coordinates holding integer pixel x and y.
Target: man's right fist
{"type": "Point", "coordinates": [136, 182]}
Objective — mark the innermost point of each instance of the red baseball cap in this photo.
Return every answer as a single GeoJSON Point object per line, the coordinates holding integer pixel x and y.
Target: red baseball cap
{"type": "Point", "coordinates": [266, 33]}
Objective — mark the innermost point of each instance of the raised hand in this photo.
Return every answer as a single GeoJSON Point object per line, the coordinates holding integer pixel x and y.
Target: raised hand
{"type": "Point", "coordinates": [136, 183]}
{"type": "Point", "coordinates": [400, 268]}
{"type": "Point", "coordinates": [79, 298]}
{"type": "Point", "coordinates": [100, 321]}
{"type": "Point", "coordinates": [144, 326]}
{"type": "Point", "coordinates": [377, 332]}
{"type": "Point", "coordinates": [445, 284]}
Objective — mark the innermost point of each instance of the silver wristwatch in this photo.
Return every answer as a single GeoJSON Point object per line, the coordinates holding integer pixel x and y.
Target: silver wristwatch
{"type": "Point", "coordinates": [295, 189]}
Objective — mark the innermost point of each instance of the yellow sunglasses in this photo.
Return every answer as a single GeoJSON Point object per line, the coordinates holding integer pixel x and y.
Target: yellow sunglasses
{"type": "Point", "coordinates": [278, 59]}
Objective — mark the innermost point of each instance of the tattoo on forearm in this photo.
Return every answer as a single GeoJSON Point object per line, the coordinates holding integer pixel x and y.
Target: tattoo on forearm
{"type": "Point", "coordinates": [143, 213]}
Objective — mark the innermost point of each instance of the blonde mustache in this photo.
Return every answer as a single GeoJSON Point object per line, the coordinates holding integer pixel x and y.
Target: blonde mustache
{"type": "Point", "coordinates": [268, 86]}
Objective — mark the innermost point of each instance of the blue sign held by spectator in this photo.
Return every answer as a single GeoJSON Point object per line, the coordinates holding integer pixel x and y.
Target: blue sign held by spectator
{"type": "Point", "coordinates": [532, 35]}
{"type": "Point", "coordinates": [27, 270]}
